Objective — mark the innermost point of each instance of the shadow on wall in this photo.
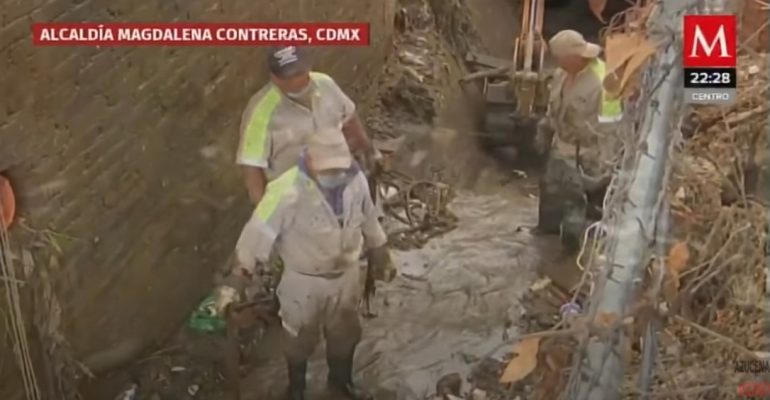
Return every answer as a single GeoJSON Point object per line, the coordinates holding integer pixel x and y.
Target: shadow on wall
{"type": "Point", "coordinates": [122, 161]}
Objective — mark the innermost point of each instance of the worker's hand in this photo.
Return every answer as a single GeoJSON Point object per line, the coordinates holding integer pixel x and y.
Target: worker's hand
{"type": "Point", "coordinates": [376, 154]}
{"type": "Point", "coordinates": [372, 160]}
{"type": "Point", "coordinates": [382, 265]}
{"type": "Point", "coordinates": [231, 288]}
{"type": "Point", "coordinates": [225, 295]}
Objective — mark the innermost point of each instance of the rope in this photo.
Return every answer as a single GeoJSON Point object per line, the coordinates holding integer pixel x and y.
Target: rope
{"type": "Point", "coordinates": [16, 317]}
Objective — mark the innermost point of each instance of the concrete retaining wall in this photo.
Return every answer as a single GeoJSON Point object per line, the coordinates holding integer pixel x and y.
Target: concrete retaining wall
{"type": "Point", "coordinates": [130, 153]}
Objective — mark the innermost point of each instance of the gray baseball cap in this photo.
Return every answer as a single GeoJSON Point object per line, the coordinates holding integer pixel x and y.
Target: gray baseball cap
{"type": "Point", "coordinates": [288, 61]}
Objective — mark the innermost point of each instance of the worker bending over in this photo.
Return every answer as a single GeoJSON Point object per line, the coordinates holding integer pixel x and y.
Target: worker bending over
{"type": "Point", "coordinates": [318, 217]}
{"type": "Point", "coordinates": [294, 104]}
{"type": "Point", "coordinates": [579, 135]}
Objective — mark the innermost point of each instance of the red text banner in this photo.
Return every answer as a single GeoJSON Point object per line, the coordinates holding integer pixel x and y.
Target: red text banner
{"type": "Point", "coordinates": [201, 34]}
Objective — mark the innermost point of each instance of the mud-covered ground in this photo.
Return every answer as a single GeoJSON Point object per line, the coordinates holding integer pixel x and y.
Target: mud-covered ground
{"type": "Point", "coordinates": [457, 301]}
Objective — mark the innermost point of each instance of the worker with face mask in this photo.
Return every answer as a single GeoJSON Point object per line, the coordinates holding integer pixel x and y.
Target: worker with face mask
{"type": "Point", "coordinates": [579, 134]}
{"type": "Point", "coordinates": [319, 218]}
{"type": "Point", "coordinates": [297, 102]}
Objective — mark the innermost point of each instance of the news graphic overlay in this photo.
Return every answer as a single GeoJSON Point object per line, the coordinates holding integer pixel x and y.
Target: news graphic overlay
{"type": "Point", "coordinates": [710, 47]}
{"type": "Point", "coordinates": [200, 34]}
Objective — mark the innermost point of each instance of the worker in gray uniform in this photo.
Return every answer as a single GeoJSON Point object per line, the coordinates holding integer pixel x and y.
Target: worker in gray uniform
{"type": "Point", "coordinates": [319, 218]}
{"type": "Point", "coordinates": [579, 135]}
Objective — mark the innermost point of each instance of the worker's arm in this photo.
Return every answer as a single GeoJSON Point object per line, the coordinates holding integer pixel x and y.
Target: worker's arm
{"type": "Point", "coordinates": [352, 127]}
{"type": "Point", "coordinates": [355, 134]}
{"type": "Point", "coordinates": [554, 93]}
{"type": "Point", "coordinates": [252, 251]}
{"type": "Point", "coordinates": [374, 235]}
{"type": "Point", "coordinates": [253, 248]}
{"type": "Point", "coordinates": [256, 181]}
{"type": "Point", "coordinates": [598, 115]}
{"type": "Point", "coordinates": [609, 115]}
{"type": "Point", "coordinates": [255, 143]}
{"type": "Point", "coordinates": [546, 127]}
{"type": "Point", "coordinates": [381, 266]}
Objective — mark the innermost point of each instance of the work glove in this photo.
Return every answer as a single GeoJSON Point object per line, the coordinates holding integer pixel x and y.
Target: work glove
{"type": "Point", "coordinates": [382, 265]}
{"type": "Point", "coordinates": [230, 290]}
{"type": "Point", "coordinates": [543, 137]}
{"type": "Point", "coordinates": [371, 160]}
{"type": "Point", "coordinates": [225, 296]}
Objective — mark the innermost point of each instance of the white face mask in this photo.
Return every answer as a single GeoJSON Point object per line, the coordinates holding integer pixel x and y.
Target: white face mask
{"type": "Point", "coordinates": [302, 93]}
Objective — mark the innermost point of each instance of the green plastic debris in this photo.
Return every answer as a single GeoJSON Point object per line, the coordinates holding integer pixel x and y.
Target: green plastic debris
{"type": "Point", "coordinates": [205, 319]}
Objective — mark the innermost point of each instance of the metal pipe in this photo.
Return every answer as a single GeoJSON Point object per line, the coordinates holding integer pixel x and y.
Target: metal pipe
{"type": "Point", "coordinates": [649, 342]}
{"type": "Point", "coordinates": [629, 255]}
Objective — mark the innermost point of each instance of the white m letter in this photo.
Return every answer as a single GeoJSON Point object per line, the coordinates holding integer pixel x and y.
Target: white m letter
{"type": "Point", "coordinates": [708, 48]}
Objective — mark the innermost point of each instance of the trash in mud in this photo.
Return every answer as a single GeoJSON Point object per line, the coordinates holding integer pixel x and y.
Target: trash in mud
{"type": "Point", "coordinates": [129, 394]}
{"type": "Point", "coordinates": [523, 362]}
{"type": "Point", "coordinates": [419, 208]}
{"type": "Point", "coordinates": [449, 385]}
{"type": "Point", "coordinates": [205, 319]}
{"type": "Point", "coordinates": [192, 390]}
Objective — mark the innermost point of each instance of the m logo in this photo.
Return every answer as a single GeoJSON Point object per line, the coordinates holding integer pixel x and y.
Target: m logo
{"type": "Point", "coordinates": [710, 41]}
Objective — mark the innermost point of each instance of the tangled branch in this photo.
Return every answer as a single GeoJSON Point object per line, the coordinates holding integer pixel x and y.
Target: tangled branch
{"type": "Point", "coordinates": [421, 207]}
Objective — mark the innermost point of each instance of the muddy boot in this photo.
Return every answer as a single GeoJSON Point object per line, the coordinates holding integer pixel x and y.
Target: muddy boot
{"type": "Point", "coordinates": [550, 212]}
{"type": "Point", "coordinates": [297, 372]}
{"type": "Point", "coordinates": [573, 226]}
{"type": "Point", "coordinates": [340, 379]}
{"type": "Point", "coordinates": [549, 216]}
{"type": "Point", "coordinates": [550, 207]}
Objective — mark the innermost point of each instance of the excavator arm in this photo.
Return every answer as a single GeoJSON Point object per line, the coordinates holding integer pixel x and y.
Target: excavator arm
{"type": "Point", "coordinates": [528, 79]}
{"type": "Point", "coordinates": [516, 89]}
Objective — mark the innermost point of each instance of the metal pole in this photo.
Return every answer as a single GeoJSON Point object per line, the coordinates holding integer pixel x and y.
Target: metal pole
{"type": "Point", "coordinates": [633, 230]}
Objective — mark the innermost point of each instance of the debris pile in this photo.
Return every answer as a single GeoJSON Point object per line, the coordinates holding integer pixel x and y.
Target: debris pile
{"type": "Point", "coordinates": [715, 281]}
{"type": "Point", "coordinates": [412, 89]}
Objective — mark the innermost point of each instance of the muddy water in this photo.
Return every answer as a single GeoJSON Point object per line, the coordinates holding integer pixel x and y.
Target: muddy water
{"type": "Point", "coordinates": [454, 302]}
{"type": "Point", "coordinates": [455, 299]}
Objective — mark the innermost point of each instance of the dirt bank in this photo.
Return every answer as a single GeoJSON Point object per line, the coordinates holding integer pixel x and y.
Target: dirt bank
{"type": "Point", "coordinates": [123, 163]}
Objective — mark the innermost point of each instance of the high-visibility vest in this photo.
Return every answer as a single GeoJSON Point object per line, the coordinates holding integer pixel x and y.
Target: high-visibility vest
{"type": "Point", "coordinates": [611, 108]}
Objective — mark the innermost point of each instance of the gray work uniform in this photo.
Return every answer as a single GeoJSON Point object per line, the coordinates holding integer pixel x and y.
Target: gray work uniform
{"type": "Point", "coordinates": [583, 119]}
{"type": "Point", "coordinates": [274, 127]}
{"type": "Point", "coordinates": [320, 289]}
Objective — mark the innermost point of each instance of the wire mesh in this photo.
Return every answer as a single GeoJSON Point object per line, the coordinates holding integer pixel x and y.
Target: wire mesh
{"type": "Point", "coordinates": [635, 218]}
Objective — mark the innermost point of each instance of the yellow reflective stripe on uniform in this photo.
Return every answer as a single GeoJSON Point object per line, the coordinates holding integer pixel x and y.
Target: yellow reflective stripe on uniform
{"type": "Point", "coordinates": [320, 76]}
{"type": "Point", "coordinates": [274, 193]}
{"type": "Point", "coordinates": [611, 109]}
{"type": "Point", "coordinates": [255, 136]}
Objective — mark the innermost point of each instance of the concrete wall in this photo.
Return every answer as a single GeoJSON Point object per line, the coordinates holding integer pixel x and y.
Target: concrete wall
{"type": "Point", "coordinates": [130, 152]}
